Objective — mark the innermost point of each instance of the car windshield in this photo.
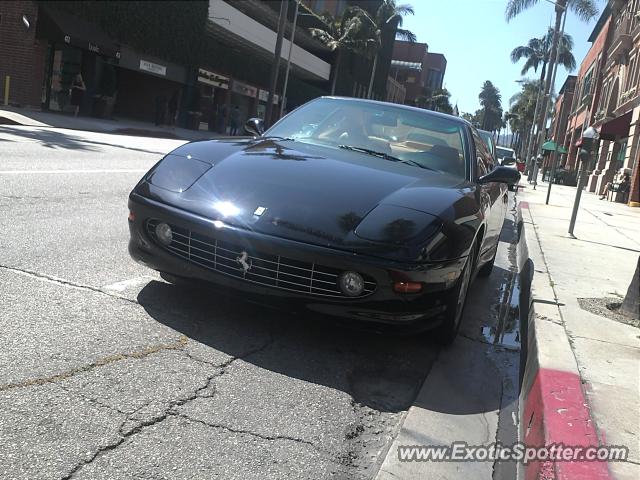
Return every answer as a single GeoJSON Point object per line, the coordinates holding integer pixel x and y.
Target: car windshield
{"type": "Point", "coordinates": [421, 139]}
{"type": "Point", "coordinates": [505, 152]}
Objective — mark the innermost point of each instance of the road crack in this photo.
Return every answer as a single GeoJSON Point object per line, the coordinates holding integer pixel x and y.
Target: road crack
{"type": "Point", "coordinates": [243, 431]}
{"type": "Point", "coordinates": [145, 352]}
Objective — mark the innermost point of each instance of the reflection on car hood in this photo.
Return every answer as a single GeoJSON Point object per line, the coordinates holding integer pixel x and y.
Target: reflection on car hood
{"type": "Point", "coordinates": [306, 192]}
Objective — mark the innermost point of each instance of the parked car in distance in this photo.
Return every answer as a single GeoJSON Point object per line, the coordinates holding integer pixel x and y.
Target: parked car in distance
{"type": "Point", "coordinates": [345, 207]}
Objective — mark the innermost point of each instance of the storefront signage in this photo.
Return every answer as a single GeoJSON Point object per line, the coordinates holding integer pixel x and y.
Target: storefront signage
{"type": "Point", "coordinates": [263, 95]}
{"type": "Point", "coordinates": [156, 68]}
{"type": "Point", "coordinates": [244, 89]}
{"type": "Point", "coordinates": [210, 78]}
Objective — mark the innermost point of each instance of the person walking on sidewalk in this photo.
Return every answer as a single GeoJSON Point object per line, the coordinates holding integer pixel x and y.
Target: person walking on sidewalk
{"type": "Point", "coordinates": [77, 92]}
{"type": "Point", "coordinates": [234, 120]}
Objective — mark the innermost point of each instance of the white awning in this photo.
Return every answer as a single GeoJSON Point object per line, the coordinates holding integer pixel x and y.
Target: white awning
{"type": "Point", "coordinates": [407, 65]}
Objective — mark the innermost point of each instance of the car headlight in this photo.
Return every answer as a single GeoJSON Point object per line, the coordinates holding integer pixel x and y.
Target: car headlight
{"type": "Point", "coordinates": [164, 234]}
{"type": "Point", "coordinates": [351, 283]}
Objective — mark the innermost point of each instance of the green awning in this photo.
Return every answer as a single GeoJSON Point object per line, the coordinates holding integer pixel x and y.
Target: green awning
{"type": "Point", "coordinates": [561, 149]}
{"type": "Point", "coordinates": [549, 146]}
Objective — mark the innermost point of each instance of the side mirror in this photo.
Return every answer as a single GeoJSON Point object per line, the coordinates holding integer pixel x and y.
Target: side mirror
{"type": "Point", "coordinates": [254, 126]}
{"type": "Point", "coordinates": [508, 161]}
{"type": "Point", "coordinates": [507, 175]}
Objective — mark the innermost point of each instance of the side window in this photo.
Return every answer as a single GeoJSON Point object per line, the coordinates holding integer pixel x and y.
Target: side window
{"type": "Point", "coordinates": [481, 156]}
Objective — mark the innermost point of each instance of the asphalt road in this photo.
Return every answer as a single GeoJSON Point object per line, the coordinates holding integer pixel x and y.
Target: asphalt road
{"type": "Point", "coordinates": [108, 372]}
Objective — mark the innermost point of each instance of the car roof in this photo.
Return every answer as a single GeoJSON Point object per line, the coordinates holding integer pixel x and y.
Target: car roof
{"type": "Point", "coordinates": [460, 120]}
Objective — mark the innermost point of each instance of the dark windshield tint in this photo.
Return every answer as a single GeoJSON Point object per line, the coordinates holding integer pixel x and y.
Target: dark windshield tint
{"type": "Point", "coordinates": [432, 141]}
{"type": "Point", "coordinates": [505, 152]}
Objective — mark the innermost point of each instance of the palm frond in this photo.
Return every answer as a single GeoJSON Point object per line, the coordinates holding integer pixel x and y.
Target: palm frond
{"type": "Point", "coordinates": [521, 52]}
{"type": "Point", "coordinates": [516, 7]}
{"type": "Point", "coordinates": [407, 35]}
{"type": "Point", "coordinates": [584, 9]}
{"type": "Point", "coordinates": [532, 62]}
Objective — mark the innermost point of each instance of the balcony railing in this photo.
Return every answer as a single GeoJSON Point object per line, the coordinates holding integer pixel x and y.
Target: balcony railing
{"type": "Point", "coordinates": [622, 39]}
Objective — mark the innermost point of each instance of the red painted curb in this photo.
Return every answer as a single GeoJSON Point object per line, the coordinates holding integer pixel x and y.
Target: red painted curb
{"type": "Point", "coordinates": [556, 412]}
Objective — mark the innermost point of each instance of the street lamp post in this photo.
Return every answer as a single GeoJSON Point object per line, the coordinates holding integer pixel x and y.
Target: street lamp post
{"type": "Point", "coordinates": [589, 137]}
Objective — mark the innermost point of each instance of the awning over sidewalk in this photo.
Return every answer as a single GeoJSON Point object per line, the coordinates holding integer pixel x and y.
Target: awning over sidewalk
{"type": "Point", "coordinates": [57, 26]}
{"type": "Point", "coordinates": [616, 128]}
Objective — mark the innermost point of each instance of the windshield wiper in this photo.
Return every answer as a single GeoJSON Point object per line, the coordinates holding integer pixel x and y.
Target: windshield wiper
{"type": "Point", "coordinates": [386, 156]}
{"type": "Point", "coordinates": [375, 153]}
{"type": "Point", "coordinates": [275, 137]}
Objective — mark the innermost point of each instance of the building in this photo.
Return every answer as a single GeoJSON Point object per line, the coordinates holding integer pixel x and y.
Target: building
{"type": "Point", "coordinates": [408, 68]}
{"type": "Point", "coordinates": [419, 71]}
{"type": "Point", "coordinates": [561, 112]}
{"type": "Point", "coordinates": [618, 109]}
{"type": "Point", "coordinates": [436, 66]}
{"type": "Point", "coordinates": [203, 58]}
{"type": "Point", "coordinates": [586, 92]}
{"type": "Point", "coordinates": [607, 97]}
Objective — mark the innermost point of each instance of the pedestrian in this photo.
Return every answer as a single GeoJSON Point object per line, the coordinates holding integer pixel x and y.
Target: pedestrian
{"type": "Point", "coordinates": [623, 186]}
{"type": "Point", "coordinates": [173, 107]}
{"type": "Point", "coordinates": [77, 93]}
{"type": "Point", "coordinates": [234, 120]}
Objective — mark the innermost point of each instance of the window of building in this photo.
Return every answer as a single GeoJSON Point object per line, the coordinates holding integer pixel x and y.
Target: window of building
{"type": "Point", "coordinates": [411, 79]}
{"type": "Point", "coordinates": [587, 84]}
{"type": "Point", "coordinates": [630, 74]}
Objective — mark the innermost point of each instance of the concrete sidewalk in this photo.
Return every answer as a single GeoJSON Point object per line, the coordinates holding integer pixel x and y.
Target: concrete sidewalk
{"type": "Point", "coordinates": [36, 118]}
{"type": "Point", "coordinates": [581, 277]}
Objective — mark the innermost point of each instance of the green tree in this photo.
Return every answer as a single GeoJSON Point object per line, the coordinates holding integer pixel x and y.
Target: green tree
{"type": "Point", "coordinates": [491, 103]}
{"type": "Point", "coordinates": [537, 52]}
{"type": "Point", "coordinates": [437, 100]}
{"type": "Point", "coordinates": [584, 9]}
{"type": "Point", "coordinates": [340, 34]}
{"type": "Point", "coordinates": [388, 15]}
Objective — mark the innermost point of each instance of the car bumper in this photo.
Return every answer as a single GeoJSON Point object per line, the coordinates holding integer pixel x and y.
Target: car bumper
{"type": "Point", "coordinates": [383, 305]}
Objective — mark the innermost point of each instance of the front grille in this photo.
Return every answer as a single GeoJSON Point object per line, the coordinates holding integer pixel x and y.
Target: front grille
{"type": "Point", "coordinates": [265, 269]}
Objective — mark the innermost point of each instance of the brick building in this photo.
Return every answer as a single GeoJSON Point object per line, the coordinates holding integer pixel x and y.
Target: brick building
{"type": "Point", "coordinates": [587, 91]}
{"type": "Point", "coordinates": [561, 113]}
{"type": "Point", "coordinates": [418, 70]}
{"type": "Point", "coordinates": [20, 52]}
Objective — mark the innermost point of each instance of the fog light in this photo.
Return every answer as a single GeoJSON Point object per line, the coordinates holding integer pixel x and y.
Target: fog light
{"type": "Point", "coordinates": [407, 287]}
{"type": "Point", "coordinates": [164, 234]}
{"type": "Point", "coordinates": [351, 283]}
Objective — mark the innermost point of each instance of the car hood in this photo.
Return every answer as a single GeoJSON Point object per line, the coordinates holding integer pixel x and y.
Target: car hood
{"type": "Point", "coordinates": [309, 193]}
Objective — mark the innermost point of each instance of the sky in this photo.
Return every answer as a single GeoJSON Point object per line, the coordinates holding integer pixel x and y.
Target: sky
{"type": "Point", "coordinates": [477, 41]}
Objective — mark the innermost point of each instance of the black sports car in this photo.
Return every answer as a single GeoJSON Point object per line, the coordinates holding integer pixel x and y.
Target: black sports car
{"type": "Point", "coordinates": [352, 208]}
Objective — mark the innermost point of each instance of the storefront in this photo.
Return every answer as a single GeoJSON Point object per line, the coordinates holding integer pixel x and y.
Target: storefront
{"type": "Point", "coordinates": [213, 95]}
{"type": "Point", "coordinates": [75, 47]}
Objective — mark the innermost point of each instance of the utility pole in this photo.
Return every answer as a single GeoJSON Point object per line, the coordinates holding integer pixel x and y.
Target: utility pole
{"type": "Point", "coordinates": [286, 75]}
{"type": "Point", "coordinates": [284, 8]}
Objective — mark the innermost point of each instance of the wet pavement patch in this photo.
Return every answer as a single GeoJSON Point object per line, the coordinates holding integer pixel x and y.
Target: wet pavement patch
{"type": "Point", "coordinates": [608, 307]}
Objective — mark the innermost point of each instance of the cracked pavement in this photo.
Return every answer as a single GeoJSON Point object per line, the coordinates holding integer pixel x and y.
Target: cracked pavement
{"type": "Point", "coordinates": [108, 372]}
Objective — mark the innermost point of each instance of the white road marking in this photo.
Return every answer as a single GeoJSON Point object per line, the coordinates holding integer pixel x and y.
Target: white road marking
{"type": "Point", "coordinates": [124, 284]}
{"type": "Point", "coordinates": [47, 172]}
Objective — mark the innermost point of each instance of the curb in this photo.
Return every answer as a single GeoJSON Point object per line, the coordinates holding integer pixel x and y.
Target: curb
{"type": "Point", "coordinates": [553, 406]}
{"type": "Point", "coordinates": [14, 118]}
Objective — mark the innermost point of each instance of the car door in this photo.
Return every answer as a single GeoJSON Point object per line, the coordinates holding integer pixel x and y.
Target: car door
{"type": "Point", "coordinates": [491, 195]}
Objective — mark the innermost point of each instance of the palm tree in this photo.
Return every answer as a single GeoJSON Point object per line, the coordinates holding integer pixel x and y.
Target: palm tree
{"type": "Point", "coordinates": [491, 103]}
{"type": "Point", "coordinates": [388, 14]}
{"type": "Point", "coordinates": [340, 34]}
{"type": "Point", "coordinates": [537, 51]}
{"type": "Point", "coordinates": [584, 9]}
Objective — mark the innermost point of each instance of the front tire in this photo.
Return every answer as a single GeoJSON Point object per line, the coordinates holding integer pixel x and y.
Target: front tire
{"type": "Point", "coordinates": [446, 333]}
